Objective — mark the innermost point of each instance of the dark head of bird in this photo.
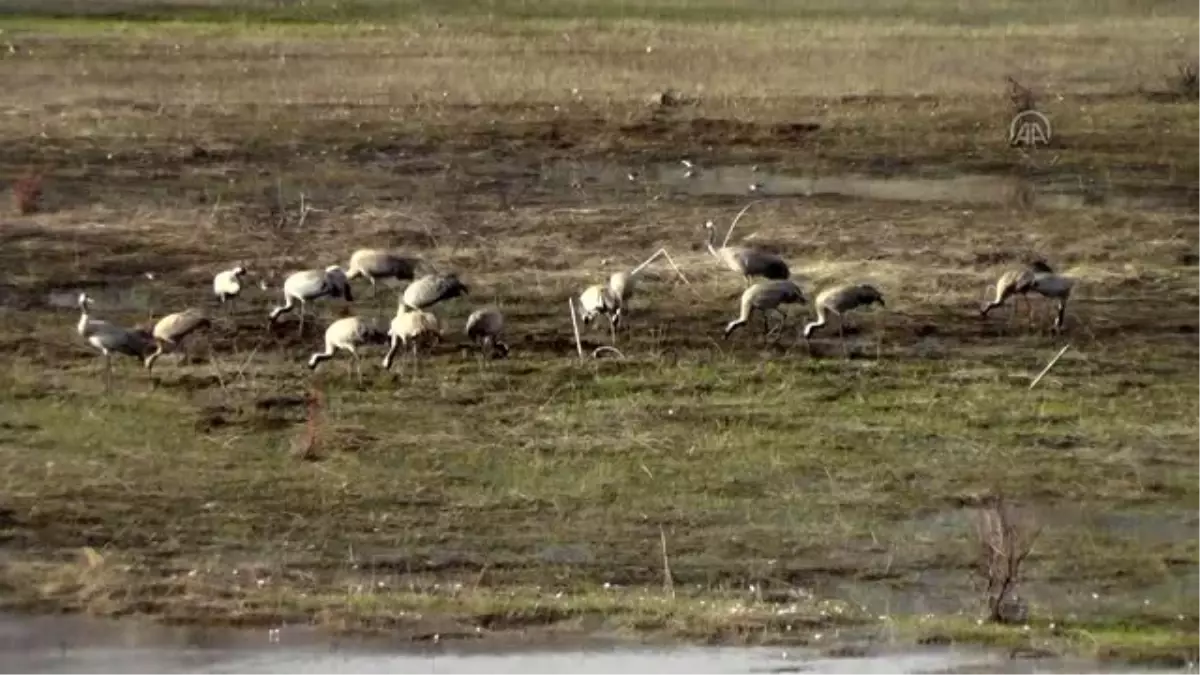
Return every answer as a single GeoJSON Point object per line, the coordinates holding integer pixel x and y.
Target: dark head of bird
{"type": "Point", "coordinates": [451, 287]}
{"type": "Point", "coordinates": [1041, 267]}
{"type": "Point", "coordinates": [500, 350]}
{"type": "Point", "coordinates": [868, 294]}
{"type": "Point", "coordinates": [796, 294]}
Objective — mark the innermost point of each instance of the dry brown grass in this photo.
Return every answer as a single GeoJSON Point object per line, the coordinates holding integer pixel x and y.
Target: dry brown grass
{"type": "Point", "coordinates": [757, 463]}
{"type": "Point", "coordinates": [27, 194]}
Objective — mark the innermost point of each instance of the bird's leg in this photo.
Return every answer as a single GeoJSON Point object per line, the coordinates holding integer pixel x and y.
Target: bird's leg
{"type": "Point", "coordinates": [107, 373]}
{"type": "Point", "coordinates": [301, 331]}
{"type": "Point", "coordinates": [782, 322]}
{"type": "Point", "coordinates": [1060, 318]}
{"type": "Point", "coordinates": [842, 335]}
{"type": "Point", "coordinates": [612, 329]}
{"type": "Point", "coordinates": [357, 368]}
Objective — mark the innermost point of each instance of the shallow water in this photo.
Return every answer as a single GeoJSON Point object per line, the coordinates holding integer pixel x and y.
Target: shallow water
{"type": "Point", "coordinates": [64, 644]}
{"type": "Point", "coordinates": [963, 189]}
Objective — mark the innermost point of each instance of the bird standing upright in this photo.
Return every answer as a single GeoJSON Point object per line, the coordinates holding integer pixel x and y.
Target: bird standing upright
{"type": "Point", "coordinates": [109, 339]}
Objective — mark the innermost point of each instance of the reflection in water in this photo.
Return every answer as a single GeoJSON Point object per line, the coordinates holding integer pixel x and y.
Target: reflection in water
{"type": "Point", "coordinates": [964, 189]}
{"type": "Point", "coordinates": [79, 644]}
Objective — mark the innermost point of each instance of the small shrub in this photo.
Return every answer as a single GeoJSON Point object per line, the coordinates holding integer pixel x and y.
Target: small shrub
{"type": "Point", "coordinates": [27, 194]}
{"type": "Point", "coordinates": [1005, 540]}
{"type": "Point", "coordinates": [309, 445]}
{"type": "Point", "coordinates": [1185, 82]}
{"type": "Point", "coordinates": [1020, 96]}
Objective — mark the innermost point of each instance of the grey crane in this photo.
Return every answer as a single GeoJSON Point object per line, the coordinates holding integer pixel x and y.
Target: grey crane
{"type": "Point", "coordinates": [432, 289]}
{"type": "Point", "coordinates": [348, 334]}
{"type": "Point", "coordinates": [227, 284]}
{"type": "Point", "coordinates": [766, 296]}
{"type": "Point", "coordinates": [307, 285]}
{"type": "Point", "coordinates": [841, 299]}
{"type": "Point", "coordinates": [607, 299]}
{"type": "Point", "coordinates": [376, 264]}
{"type": "Point", "coordinates": [485, 327]}
{"type": "Point", "coordinates": [749, 262]}
{"type": "Point", "coordinates": [1038, 277]}
{"type": "Point", "coordinates": [411, 328]}
{"type": "Point", "coordinates": [109, 339]}
{"type": "Point", "coordinates": [1014, 282]}
{"type": "Point", "coordinates": [170, 332]}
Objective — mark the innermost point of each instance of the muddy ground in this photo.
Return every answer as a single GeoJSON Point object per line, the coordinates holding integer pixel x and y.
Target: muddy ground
{"type": "Point", "coordinates": [751, 490]}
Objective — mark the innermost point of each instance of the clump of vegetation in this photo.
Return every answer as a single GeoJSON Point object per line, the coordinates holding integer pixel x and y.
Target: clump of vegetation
{"type": "Point", "coordinates": [310, 444]}
{"type": "Point", "coordinates": [1021, 97]}
{"type": "Point", "coordinates": [1185, 81]}
{"type": "Point", "coordinates": [1005, 541]}
{"type": "Point", "coordinates": [27, 194]}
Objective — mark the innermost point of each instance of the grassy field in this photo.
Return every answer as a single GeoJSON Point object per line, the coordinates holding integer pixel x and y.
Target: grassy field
{"type": "Point", "coordinates": [796, 492]}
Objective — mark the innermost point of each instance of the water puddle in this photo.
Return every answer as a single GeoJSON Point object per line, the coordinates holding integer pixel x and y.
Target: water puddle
{"type": "Point", "coordinates": [79, 644]}
{"type": "Point", "coordinates": [960, 190]}
{"type": "Point", "coordinates": [106, 300]}
{"type": "Point", "coordinates": [964, 190]}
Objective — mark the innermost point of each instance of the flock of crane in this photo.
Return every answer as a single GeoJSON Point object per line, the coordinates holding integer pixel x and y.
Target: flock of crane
{"type": "Point", "coordinates": [414, 325]}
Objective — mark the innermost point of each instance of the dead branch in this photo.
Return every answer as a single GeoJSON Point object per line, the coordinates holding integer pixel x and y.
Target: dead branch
{"type": "Point", "coordinates": [1005, 541]}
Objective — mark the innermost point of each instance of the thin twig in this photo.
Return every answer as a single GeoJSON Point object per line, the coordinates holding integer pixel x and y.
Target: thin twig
{"type": "Point", "coordinates": [242, 369]}
{"type": "Point", "coordinates": [668, 580]}
{"type": "Point", "coordinates": [1049, 366]}
{"type": "Point", "coordinates": [212, 359]}
{"type": "Point", "coordinates": [660, 253]}
{"type": "Point", "coordinates": [676, 267]}
{"type": "Point", "coordinates": [656, 256]}
{"type": "Point", "coordinates": [605, 348]}
{"type": "Point", "coordinates": [729, 232]}
{"type": "Point", "coordinates": [575, 325]}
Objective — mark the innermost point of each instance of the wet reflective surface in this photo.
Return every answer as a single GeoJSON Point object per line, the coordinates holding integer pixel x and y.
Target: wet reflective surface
{"type": "Point", "coordinates": [962, 189]}
{"type": "Point", "coordinates": [63, 644]}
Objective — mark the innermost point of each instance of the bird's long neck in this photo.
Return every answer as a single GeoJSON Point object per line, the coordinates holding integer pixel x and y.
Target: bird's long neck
{"type": "Point", "coordinates": [84, 318]}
